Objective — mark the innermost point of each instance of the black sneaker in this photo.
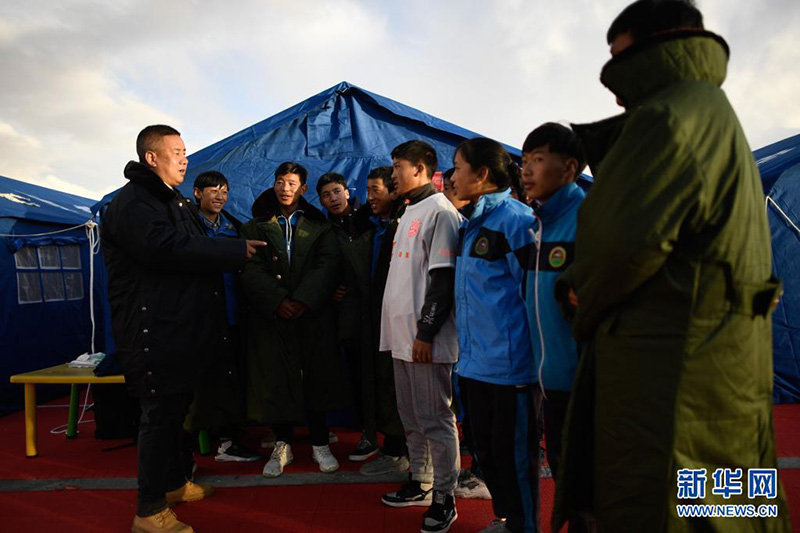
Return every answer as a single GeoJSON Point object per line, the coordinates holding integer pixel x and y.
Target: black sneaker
{"type": "Point", "coordinates": [441, 514]}
{"type": "Point", "coordinates": [231, 452]}
{"type": "Point", "coordinates": [363, 451]}
{"type": "Point", "coordinates": [412, 493]}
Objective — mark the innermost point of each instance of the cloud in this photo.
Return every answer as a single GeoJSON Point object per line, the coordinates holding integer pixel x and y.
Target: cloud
{"type": "Point", "coordinates": [53, 182]}
{"type": "Point", "coordinates": [83, 77]}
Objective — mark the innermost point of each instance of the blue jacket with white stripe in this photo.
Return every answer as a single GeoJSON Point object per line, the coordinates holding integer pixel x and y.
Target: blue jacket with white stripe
{"type": "Point", "coordinates": [558, 220]}
{"type": "Point", "coordinates": [494, 341]}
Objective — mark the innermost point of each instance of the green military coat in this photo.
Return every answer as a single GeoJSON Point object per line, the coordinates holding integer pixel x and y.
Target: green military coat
{"type": "Point", "coordinates": [379, 398]}
{"type": "Point", "coordinates": [293, 365]}
{"type": "Point", "coordinates": [672, 274]}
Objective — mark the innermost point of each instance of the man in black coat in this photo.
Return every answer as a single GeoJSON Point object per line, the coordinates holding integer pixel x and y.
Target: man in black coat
{"type": "Point", "coordinates": [166, 296]}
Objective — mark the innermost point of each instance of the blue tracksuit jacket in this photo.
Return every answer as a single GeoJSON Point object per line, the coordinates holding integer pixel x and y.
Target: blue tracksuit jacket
{"type": "Point", "coordinates": [494, 340]}
{"type": "Point", "coordinates": [558, 220]}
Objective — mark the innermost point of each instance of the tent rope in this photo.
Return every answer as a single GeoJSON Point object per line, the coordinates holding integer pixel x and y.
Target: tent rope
{"type": "Point", "coordinates": [48, 233]}
{"type": "Point", "coordinates": [789, 220]}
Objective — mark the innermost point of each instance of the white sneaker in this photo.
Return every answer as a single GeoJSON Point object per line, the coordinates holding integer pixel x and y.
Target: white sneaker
{"type": "Point", "coordinates": [332, 438]}
{"type": "Point", "coordinates": [281, 456]}
{"type": "Point", "coordinates": [324, 458]}
{"type": "Point", "coordinates": [471, 486]}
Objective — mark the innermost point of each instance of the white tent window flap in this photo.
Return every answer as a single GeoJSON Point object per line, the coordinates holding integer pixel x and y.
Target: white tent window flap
{"type": "Point", "coordinates": [73, 281]}
{"type": "Point", "coordinates": [54, 273]}
{"type": "Point", "coordinates": [48, 257]}
{"type": "Point", "coordinates": [70, 256]}
{"type": "Point", "coordinates": [26, 257]}
{"type": "Point", "coordinates": [53, 285]}
{"type": "Point", "coordinates": [29, 288]}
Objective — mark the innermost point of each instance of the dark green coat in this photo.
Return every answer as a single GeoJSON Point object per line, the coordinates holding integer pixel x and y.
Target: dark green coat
{"type": "Point", "coordinates": [292, 364]}
{"type": "Point", "coordinates": [672, 273]}
{"type": "Point", "coordinates": [379, 399]}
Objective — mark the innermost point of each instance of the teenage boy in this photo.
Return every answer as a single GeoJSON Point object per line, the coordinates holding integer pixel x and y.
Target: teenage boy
{"type": "Point", "coordinates": [218, 402]}
{"type": "Point", "coordinates": [418, 327]}
{"type": "Point", "coordinates": [293, 362]}
{"type": "Point", "coordinates": [372, 253]}
{"type": "Point", "coordinates": [552, 160]}
{"type": "Point", "coordinates": [349, 222]}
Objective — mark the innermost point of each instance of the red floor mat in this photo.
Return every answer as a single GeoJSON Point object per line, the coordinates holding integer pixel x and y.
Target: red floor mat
{"type": "Point", "coordinates": [787, 429]}
{"type": "Point", "coordinates": [317, 508]}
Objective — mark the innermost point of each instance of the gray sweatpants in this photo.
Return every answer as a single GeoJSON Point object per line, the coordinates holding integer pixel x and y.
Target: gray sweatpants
{"type": "Point", "coordinates": [424, 395]}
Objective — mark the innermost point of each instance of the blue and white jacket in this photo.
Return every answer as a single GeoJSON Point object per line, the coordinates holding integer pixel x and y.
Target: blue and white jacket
{"type": "Point", "coordinates": [558, 220]}
{"type": "Point", "coordinates": [494, 341]}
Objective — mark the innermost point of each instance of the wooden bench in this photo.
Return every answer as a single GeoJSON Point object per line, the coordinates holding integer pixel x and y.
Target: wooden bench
{"type": "Point", "coordinates": [61, 374]}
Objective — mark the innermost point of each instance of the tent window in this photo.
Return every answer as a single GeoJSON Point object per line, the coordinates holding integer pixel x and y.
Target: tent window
{"type": "Point", "coordinates": [73, 281]}
{"type": "Point", "coordinates": [71, 256]}
{"type": "Point", "coordinates": [30, 291]}
{"type": "Point", "coordinates": [48, 257]}
{"type": "Point", "coordinates": [53, 274]}
{"type": "Point", "coordinates": [53, 285]}
{"type": "Point", "coordinates": [26, 257]}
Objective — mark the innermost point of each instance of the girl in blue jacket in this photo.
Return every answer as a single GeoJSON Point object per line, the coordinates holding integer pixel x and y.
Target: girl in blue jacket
{"type": "Point", "coordinates": [495, 365]}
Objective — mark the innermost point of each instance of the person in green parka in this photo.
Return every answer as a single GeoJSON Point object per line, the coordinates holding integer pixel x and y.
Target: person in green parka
{"type": "Point", "coordinates": [293, 360]}
{"type": "Point", "coordinates": [671, 292]}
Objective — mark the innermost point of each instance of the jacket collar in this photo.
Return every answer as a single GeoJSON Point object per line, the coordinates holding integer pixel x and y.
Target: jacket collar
{"type": "Point", "coordinates": [557, 205]}
{"type": "Point", "coordinates": [266, 206]}
{"type": "Point", "coordinates": [415, 196]}
{"type": "Point", "coordinates": [664, 59]}
{"type": "Point", "coordinates": [486, 204]}
{"type": "Point", "coordinates": [142, 175]}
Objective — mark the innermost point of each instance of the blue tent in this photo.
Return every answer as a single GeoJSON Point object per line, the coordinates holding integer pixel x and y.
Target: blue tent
{"type": "Point", "coordinates": [44, 282]}
{"type": "Point", "coordinates": [344, 129]}
{"type": "Point", "coordinates": [779, 165]}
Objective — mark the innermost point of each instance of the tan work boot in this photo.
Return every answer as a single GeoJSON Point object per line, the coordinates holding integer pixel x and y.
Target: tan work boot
{"type": "Point", "coordinates": [191, 492]}
{"type": "Point", "coordinates": [160, 522]}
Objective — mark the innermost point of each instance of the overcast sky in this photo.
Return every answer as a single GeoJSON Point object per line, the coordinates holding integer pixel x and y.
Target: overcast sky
{"type": "Point", "coordinates": [82, 77]}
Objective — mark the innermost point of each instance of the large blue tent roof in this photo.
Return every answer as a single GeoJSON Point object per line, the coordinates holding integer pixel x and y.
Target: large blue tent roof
{"type": "Point", "coordinates": [344, 129]}
{"type": "Point", "coordinates": [30, 202]}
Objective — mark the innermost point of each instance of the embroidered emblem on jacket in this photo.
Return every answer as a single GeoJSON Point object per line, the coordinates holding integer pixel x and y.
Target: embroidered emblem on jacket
{"type": "Point", "coordinates": [557, 257]}
{"type": "Point", "coordinates": [482, 246]}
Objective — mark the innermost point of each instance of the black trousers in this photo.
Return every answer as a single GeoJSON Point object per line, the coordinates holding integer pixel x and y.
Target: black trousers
{"type": "Point", "coordinates": [352, 353]}
{"type": "Point", "coordinates": [160, 450]}
{"type": "Point", "coordinates": [506, 441]}
{"type": "Point", "coordinates": [466, 425]}
{"type": "Point", "coordinates": [317, 428]}
{"type": "Point", "coordinates": [555, 412]}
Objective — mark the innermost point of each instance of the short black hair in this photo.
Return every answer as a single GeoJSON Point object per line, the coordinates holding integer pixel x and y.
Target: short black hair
{"type": "Point", "coordinates": [560, 140]}
{"type": "Point", "coordinates": [290, 167]}
{"type": "Point", "coordinates": [150, 136]}
{"type": "Point", "coordinates": [644, 18]}
{"type": "Point", "coordinates": [482, 152]}
{"type": "Point", "coordinates": [416, 152]}
{"type": "Point", "coordinates": [384, 174]}
{"type": "Point", "coordinates": [210, 178]}
{"type": "Point", "coordinates": [328, 178]}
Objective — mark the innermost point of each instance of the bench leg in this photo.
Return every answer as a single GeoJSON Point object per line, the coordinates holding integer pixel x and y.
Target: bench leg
{"type": "Point", "coordinates": [204, 442]}
{"type": "Point", "coordinates": [72, 419]}
{"type": "Point", "coordinates": [30, 420]}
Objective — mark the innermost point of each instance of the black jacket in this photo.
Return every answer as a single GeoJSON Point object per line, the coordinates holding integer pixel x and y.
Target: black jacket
{"type": "Point", "coordinates": [164, 285]}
